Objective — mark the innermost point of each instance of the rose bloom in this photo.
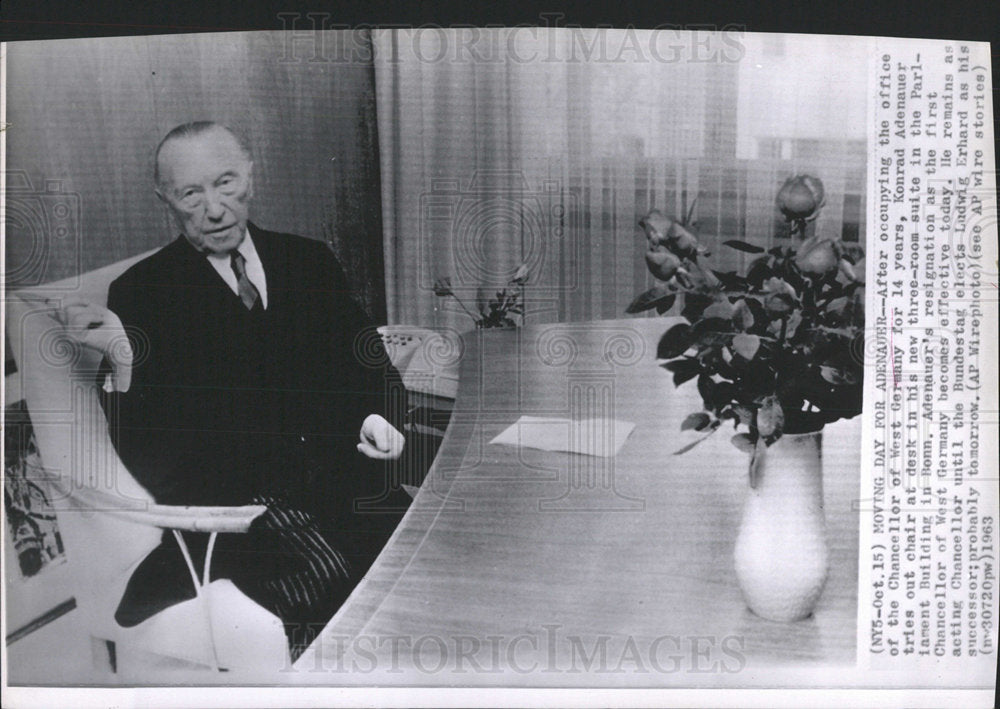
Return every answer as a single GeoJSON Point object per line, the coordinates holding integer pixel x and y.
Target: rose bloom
{"type": "Point", "coordinates": [801, 197]}
{"type": "Point", "coordinates": [817, 257]}
{"type": "Point", "coordinates": [780, 298]}
{"type": "Point", "coordinates": [656, 225]}
{"type": "Point", "coordinates": [662, 264]}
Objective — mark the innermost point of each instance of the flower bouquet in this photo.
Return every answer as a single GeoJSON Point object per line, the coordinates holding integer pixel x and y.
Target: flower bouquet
{"type": "Point", "coordinates": [777, 351]}
{"type": "Point", "coordinates": [496, 312]}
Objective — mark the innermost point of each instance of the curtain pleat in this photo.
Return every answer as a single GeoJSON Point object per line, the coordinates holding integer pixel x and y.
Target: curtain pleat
{"type": "Point", "coordinates": [492, 160]}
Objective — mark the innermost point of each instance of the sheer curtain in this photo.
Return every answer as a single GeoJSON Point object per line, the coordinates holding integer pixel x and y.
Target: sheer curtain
{"type": "Point", "coordinates": [545, 147]}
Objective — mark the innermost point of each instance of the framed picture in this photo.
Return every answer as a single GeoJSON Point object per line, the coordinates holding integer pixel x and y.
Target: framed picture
{"type": "Point", "coordinates": [36, 573]}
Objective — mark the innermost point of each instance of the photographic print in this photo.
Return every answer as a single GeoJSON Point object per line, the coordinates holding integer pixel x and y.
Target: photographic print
{"type": "Point", "coordinates": [36, 572]}
{"type": "Point", "coordinates": [32, 526]}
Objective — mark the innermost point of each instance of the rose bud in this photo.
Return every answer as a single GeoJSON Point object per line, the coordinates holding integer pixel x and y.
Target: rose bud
{"type": "Point", "coordinates": [708, 278]}
{"type": "Point", "coordinates": [778, 304]}
{"type": "Point", "coordinates": [801, 197]}
{"type": "Point", "coordinates": [662, 264]}
{"type": "Point", "coordinates": [682, 242]}
{"type": "Point", "coordinates": [817, 257]}
{"type": "Point", "coordinates": [859, 271]}
{"type": "Point", "coordinates": [780, 298]}
{"type": "Point", "coordinates": [846, 270]}
{"type": "Point", "coordinates": [742, 317]}
{"type": "Point", "coordinates": [655, 224]}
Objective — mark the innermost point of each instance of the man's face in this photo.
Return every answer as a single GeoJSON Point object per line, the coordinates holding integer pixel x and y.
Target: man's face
{"type": "Point", "coordinates": [207, 182]}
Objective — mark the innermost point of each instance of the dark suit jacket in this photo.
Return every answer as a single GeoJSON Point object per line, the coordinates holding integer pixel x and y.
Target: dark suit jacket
{"type": "Point", "coordinates": [227, 403]}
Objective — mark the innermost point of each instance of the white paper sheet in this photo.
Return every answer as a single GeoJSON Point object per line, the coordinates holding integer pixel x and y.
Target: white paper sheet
{"type": "Point", "coordinates": [602, 437]}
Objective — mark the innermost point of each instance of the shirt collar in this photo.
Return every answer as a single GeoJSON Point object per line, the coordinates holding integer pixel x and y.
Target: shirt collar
{"type": "Point", "coordinates": [246, 248]}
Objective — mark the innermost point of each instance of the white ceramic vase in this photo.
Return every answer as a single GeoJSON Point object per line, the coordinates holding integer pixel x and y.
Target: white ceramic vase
{"type": "Point", "coordinates": [781, 552]}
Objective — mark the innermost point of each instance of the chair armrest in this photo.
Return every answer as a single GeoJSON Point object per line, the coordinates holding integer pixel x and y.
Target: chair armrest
{"type": "Point", "coordinates": [184, 518]}
{"type": "Point", "coordinates": [93, 326]}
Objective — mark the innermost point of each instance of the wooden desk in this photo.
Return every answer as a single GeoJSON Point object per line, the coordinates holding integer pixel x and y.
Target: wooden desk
{"type": "Point", "coordinates": [532, 560]}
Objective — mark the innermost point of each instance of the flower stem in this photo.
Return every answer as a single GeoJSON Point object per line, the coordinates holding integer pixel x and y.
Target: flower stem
{"type": "Point", "coordinates": [462, 305]}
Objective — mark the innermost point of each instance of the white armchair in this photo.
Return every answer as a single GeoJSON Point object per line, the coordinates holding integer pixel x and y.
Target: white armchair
{"type": "Point", "coordinates": [108, 521]}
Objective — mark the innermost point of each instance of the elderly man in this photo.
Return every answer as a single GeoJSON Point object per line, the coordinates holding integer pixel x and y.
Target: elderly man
{"type": "Point", "coordinates": [254, 382]}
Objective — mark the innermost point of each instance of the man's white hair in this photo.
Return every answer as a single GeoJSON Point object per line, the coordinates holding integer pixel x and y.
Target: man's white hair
{"type": "Point", "coordinates": [190, 130]}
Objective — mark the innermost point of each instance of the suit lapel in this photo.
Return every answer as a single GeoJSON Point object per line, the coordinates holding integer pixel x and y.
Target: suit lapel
{"type": "Point", "coordinates": [197, 276]}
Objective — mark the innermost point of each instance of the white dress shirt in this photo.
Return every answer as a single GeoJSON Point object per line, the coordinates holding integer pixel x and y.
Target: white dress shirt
{"type": "Point", "coordinates": [255, 269]}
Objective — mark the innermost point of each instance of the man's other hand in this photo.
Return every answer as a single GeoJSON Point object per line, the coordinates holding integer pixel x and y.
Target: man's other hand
{"type": "Point", "coordinates": [379, 439]}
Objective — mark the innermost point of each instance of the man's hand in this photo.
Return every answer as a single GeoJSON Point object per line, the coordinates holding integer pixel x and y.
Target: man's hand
{"type": "Point", "coordinates": [379, 439]}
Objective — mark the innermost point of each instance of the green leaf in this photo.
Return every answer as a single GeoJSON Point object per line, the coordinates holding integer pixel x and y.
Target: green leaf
{"type": "Point", "coordinates": [847, 269]}
{"type": "Point", "coordinates": [711, 325]}
{"type": "Point", "coordinates": [723, 395]}
{"type": "Point", "coordinates": [674, 342]}
{"type": "Point", "coordinates": [780, 303]}
{"type": "Point", "coordinates": [743, 246]}
{"type": "Point", "coordinates": [756, 459]}
{"type": "Point", "coordinates": [689, 446]}
{"type": "Point", "coordinates": [744, 413]}
{"type": "Point", "coordinates": [757, 380]}
{"type": "Point", "coordinates": [694, 305]}
{"type": "Point", "coordinates": [706, 387]}
{"type": "Point", "coordinates": [721, 309]}
{"type": "Point", "coordinates": [650, 299]}
{"type": "Point", "coordinates": [743, 442]}
{"type": "Point", "coordinates": [665, 304]}
{"type": "Point", "coordinates": [685, 376]}
{"type": "Point", "coordinates": [759, 271]}
{"type": "Point", "coordinates": [746, 346]}
{"type": "Point", "coordinates": [794, 320]}
{"type": "Point", "coordinates": [712, 429]}
{"type": "Point", "coordinates": [805, 422]}
{"type": "Point", "coordinates": [770, 417]}
{"type": "Point", "coordinates": [696, 421]}
{"type": "Point", "coordinates": [757, 313]}
{"type": "Point", "coordinates": [730, 280]}
{"type": "Point", "coordinates": [684, 369]}
{"type": "Point", "coordinates": [722, 364]}
{"type": "Point", "coordinates": [690, 213]}
{"type": "Point", "coordinates": [836, 375]}
{"type": "Point", "coordinates": [742, 315]}
{"type": "Point", "coordinates": [838, 331]}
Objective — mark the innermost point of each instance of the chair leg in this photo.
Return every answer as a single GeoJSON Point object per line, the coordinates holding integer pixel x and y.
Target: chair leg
{"type": "Point", "coordinates": [104, 654]}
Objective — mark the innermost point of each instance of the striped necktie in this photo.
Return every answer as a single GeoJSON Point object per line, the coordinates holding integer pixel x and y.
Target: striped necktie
{"type": "Point", "coordinates": [248, 292]}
